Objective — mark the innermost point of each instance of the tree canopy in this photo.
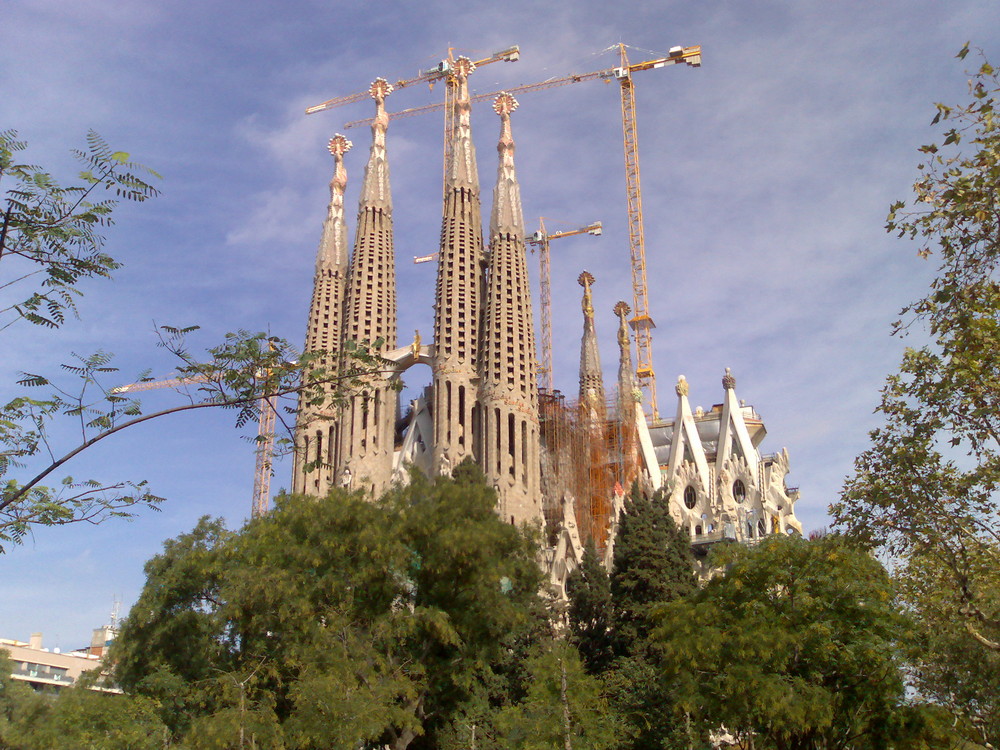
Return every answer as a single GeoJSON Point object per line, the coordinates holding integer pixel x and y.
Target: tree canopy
{"type": "Point", "coordinates": [54, 232]}
{"type": "Point", "coordinates": [925, 492]}
{"type": "Point", "coordinates": [52, 238]}
{"type": "Point", "coordinates": [795, 645]}
{"type": "Point", "coordinates": [338, 621]}
{"type": "Point", "coordinates": [652, 564]}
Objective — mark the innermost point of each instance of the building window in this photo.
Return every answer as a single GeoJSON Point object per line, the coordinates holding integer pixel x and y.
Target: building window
{"type": "Point", "coordinates": [690, 497]}
{"type": "Point", "coordinates": [739, 491]}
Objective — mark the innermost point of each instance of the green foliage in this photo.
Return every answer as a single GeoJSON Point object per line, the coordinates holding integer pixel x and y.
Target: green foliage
{"type": "Point", "coordinates": [56, 232]}
{"type": "Point", "coordinates": [13, 695]}
{"type": "Point", "coordinates": [795, 644]}
{"type": "Point", "coordinates": [81, 718]}
{"type": "Point", "coordinates": [948, 666]}
{"type": "Point", "coordinates": [564, 707]}
{"type": "Point", "coordinates": [248, 372]}
{"type": "Point", "coordinates": [925, 492]}
{"type": "Point", "coordinates": [341, 621]}
{"type": "Point", "coordinates": [652, 564]}
{"type": "Point", "coordinates": [589, 591]}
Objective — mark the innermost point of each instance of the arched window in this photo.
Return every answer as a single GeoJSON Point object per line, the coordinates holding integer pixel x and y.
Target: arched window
{"type": "Point", "coordinates": [739, 491]}
{"type": "Point", "coordinates": [690, 497]}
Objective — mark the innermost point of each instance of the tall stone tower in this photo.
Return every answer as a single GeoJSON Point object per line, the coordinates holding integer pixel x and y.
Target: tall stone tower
{"type": "Point", "coordinates": [368, 421]}
{"type": "Point", "coordinates": [459, 287]}
{"type": "Point", "coordinates": [508, 393]}
{"type": "Point", "coordinates": [318, 429]}
{"type": "Point", "coordinates": [629, 402]}
{"type": "Point", "coordinates": [592, 405]}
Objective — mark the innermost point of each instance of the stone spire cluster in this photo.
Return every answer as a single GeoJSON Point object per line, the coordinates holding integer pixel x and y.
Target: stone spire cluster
{"type": "Point", "coordinates": [353, 300]}
{"type": "Point", "coordinates": [484, 400]}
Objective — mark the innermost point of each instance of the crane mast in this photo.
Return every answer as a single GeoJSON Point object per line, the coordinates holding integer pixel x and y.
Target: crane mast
{"type": "Point", "coordinates": [264, 455]}
{"type": "Point", "coordinates": [641, 322]}
{"type": "Point", "coordinates": [541, 239]}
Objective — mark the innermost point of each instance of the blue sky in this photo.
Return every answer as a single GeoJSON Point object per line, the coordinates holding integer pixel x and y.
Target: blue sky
{"type": "Point", "coordinates": [766, 173]}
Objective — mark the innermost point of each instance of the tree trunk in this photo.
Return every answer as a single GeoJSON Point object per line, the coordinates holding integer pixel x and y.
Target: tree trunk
{"type": "Point", "coordinates": [567, 739]}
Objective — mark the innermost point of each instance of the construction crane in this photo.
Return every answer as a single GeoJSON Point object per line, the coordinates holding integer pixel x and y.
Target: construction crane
{"type": "Point", "coordinates": [540, 240]}
{"type": "Point", "coordinates": [265, 436]}
{"type": "Point", "coordinates": [444, 70]}
{"type": "Point", "coordinates": [641, 322]}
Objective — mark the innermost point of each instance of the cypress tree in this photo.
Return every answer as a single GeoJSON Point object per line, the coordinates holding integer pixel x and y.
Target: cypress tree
{"type": "Point", "coordinates": [589, 590]}
{"type": "Point", "coordinates": [653, 564]}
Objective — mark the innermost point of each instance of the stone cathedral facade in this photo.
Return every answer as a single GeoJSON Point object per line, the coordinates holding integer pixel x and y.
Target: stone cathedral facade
{"type": "Point", "coordinates": [562, 466]}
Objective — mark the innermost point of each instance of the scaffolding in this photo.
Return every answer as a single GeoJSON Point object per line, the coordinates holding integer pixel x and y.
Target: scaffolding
{"type": "Point", "coordinates": [587, 457]}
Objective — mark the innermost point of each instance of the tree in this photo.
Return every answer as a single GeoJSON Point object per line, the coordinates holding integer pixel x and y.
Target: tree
{"type": "Point", "coordinates": [589, 590]}
{"type": "Point", "coordinates": [653, 564]}
{"type": "Point", "coordinates": [342, 621]}
{"type": "Point", "coordinates": [947, 666]}
{"type": "Point", "coordinates": [55, 232]}
{"type": "Point", "coordinates": [794, 646]}
{"type": "Point", "coordinates": [246, 373]}
{"type": "Point", "coordinates": [925, 492]}
{"type": "Point", "coordinates": [79, 717]}
{"type": "Point", "coordinates": [13, 695]}
{"type": "Point", "coordinates": [564, 708]}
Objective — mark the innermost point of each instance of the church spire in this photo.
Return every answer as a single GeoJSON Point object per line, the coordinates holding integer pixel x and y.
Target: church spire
{"type": "Point", "coordinates": [366, 450]}
{"type": "Point", "coordinates": [375, 189]}
{"type": "Point", "coordinates": [315, 426]}
{"type": "Point", "coordinates": [510, 442]}
{"type": "Point", "coordinates": [628, 402]}
{"type": "Point", "coordinates": [462, 170]}
{"type": "Point", "coordinates": [591, 379]}
{"type": "Point", "coordinates": [458, 292]}
{"type": "Point", "coordinates": [628, 387]}
{"type": "Point", "coordinates": [333, 246]}
{"type": "Point", "coordinates": [506, 218]}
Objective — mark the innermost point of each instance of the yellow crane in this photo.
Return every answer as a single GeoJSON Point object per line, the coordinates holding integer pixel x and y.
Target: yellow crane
{"type": "Point", "coordinates": [540, 240]}
{"type": "Point", "coordinates": [265, 437]}
{"type": "Point", "coordinates": [641, 322]}
{"type": "Point", "coordinates": [444, 70]}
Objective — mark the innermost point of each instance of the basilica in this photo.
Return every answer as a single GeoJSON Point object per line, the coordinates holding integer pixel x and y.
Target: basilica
{"type": "Point", "coordinates": [563, 464]}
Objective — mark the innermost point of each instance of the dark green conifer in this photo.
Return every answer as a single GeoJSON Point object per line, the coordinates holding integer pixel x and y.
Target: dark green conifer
{"type": "Point", "coordinates": [589, 590]}
{"type": "Point", "coordinates": [653, 564]}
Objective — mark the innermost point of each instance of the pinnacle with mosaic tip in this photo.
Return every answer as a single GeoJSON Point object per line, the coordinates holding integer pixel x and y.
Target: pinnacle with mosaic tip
{"type": "Point", "coordinates": [380, 88]}
{"type": "Point", "coordinates": [728, 381]}
{"type": "Point", "coordinates": [506, 217]}
{"type": "Point", "coordinates": [504, 104]}
{"type": "Point", "coordinates": [339, 145]}
{"type": "Point", "coordinates": [621, 310]}
{"type": "Point", "coordinates": [682, 388]}
{"type": "Point", "coordinates": [463, 67]}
